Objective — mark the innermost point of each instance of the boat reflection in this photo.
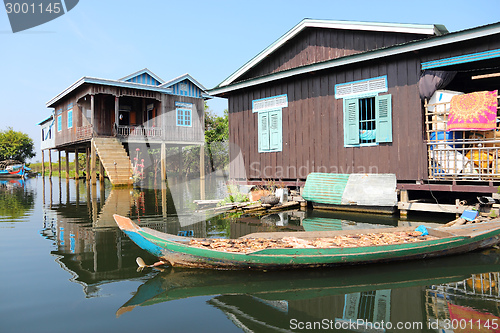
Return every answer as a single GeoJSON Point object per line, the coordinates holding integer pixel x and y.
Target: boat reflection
{"type": "Point", "coordinates": [261, 301]}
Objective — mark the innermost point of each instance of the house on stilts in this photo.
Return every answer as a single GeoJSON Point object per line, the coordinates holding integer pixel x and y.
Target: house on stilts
{"type": "Point", "coordinates": [103, 118]}
{"type": "Point", "coordinates": [349, 98]}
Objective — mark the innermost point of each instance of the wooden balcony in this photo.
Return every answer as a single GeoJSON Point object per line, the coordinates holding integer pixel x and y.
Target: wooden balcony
{"type": "Point", "coordinates": [139, 131]}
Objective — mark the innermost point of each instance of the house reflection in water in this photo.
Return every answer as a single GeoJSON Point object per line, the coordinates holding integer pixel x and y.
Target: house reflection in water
{"type": "Point", "coordinates": [79, 220]}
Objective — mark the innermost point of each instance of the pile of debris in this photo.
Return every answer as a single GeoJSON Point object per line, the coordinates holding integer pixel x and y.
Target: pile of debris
{"type": "Point", "coordinates": [247, 245]}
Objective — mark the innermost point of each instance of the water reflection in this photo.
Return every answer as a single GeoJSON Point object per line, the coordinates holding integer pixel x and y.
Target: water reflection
{"type": "Point", "coordinates": [413, 292]}
{"type": "Point", "coordinates": [15, 199]}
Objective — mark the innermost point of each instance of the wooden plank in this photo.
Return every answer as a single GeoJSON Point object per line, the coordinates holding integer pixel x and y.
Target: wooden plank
{"type": "Point", "coordinates": [428, 207]}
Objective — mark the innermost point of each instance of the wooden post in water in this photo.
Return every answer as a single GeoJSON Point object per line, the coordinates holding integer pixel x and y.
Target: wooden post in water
{"type": "Point", "coordinates": [76, 164]}
{"type": "Point", "coordinates": [93, 175]}
{"type": "Point", "coordinates": [43, 164]}
{"type": "Point", "coordinates": [87, 163]}
{"type": "Point", "coordinates": [403, 197]}
{"type": "Point", "coordinates": [202, 171]}
{"type": "Point", "coordinates": [50, 163]}
{"type": "Point", "coordinates": [59, 161]}
{"type": "Point", "coordinates": [67, 165]}
{"type": "Point", "coordinates": [163, 162]}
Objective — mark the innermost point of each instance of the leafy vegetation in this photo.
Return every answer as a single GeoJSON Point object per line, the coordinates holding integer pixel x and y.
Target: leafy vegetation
{"type": "Point", "coordinates": [15, 145]}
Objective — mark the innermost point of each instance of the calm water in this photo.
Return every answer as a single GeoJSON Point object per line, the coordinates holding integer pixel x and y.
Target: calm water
{"type": "Point", "coordinates": [65, 267]}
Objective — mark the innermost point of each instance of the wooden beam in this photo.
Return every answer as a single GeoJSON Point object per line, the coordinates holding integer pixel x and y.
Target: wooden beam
{"type": "Point", "coordinates": [87, 163]}
{"type": "Point", "coordinates": [50, 163]}
{"type": "Point", "coordinates": [76, 164]}
{"type": "Point", "coordinates": [449, 188]}
{"type": "Point", "coordinates": [43, 164]}
{"type": "Point", "coordinates": [428, 207]}
{"type": "Point", "coordinates": [163, 162]}
{"type": "Point", "coordinates": [67, 165]}
{"type": "Point", "coordinates": [117, 105]}
{"type": "Point", "coordinates": [202, 172]}
{"type": "Point", "coordinates": [59, 161]}
{"type": "Point", "coordinates": [93, 175]}
{"type": "Point", "coordinates": [485, 76]}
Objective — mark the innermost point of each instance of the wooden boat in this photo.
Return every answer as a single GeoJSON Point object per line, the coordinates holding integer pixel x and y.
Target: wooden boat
{"type": "Point", "coordinates": [13, 169]}
{"type": "Point", "coordinates": [187, 252]}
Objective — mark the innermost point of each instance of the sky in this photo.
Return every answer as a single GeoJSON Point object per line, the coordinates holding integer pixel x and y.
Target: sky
{"type": "Point", "coordinates": [207, 39]}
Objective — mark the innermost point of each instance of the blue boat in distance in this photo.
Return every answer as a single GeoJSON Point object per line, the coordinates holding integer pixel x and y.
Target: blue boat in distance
{"type": "Point", "coordinates": [13, 169]}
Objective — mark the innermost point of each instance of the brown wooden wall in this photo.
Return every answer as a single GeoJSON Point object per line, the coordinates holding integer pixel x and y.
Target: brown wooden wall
{"type": "Point", "coordinates": [313, 134]}
{"type": "Point", "coordinates": [175, 133]}
{"type": "Point", "coordinates": [316, 45]}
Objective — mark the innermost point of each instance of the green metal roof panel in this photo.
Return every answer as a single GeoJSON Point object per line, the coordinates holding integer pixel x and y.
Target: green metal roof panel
{"type": "Point", "coordinates": [325, 188]}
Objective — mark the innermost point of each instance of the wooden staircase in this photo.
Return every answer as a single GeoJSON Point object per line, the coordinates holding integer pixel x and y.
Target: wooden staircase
{"type": "Point", "coordinates": [115, 160]}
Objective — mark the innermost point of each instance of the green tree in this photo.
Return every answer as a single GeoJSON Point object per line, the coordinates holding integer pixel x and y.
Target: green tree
{"type": "Point", "coordinates": [15, 145]}
{"type": "Point", "coordinates": [216, 138]}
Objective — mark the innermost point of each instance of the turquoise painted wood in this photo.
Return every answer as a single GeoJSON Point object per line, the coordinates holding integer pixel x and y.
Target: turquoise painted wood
{"type": "Point", "coordinates": [275, 130]}
{"type": "Point", "coordinates": [325, 188]}
{"type": "Point", "coordinates": [383, 111]}
{"type": "Point", "coordinates": [351, 121]}
{"type": "Point", "coordinates": [263, 128]}
{"type": "Point", "coordinates": [144, 78]}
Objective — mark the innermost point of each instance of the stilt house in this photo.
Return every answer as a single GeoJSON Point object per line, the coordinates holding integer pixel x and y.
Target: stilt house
{"type": "Point", "coordinates": [360, 97]}
{"type": "Point", "coordinates": [104, 117]}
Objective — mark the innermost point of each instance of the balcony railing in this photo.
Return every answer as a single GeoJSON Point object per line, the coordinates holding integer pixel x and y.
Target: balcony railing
{"type": "Point", "coordinates": [460, 155]}
{"type": "Point", "coordinates": [139, 131]}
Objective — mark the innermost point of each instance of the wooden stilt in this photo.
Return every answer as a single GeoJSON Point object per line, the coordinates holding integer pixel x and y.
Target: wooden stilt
{"type": "Point", "coordinates": [163, 162]}
{"type": "Point", "coordinates": [50, 163]}
{"type": "Point", "coordinates": [43, 163]}
{"type": "Point", "coordinates": [67, 165]}
{"type": "Point", "coordinates": [87, 163]}
{"type": "Point", "coordinates": [93, 175]}
{"type": "Point", "coordinates": [202, 172]}
{"type": "Point", "coordinates": [76, 164]}
{"type": "Point", "coordinates": [403, 213]}
{"type": "Point", "coordinates": [59, 161]}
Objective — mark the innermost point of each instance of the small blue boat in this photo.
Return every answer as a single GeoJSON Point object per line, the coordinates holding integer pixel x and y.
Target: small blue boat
{"type": "Point", "coordinates": [13, 169]}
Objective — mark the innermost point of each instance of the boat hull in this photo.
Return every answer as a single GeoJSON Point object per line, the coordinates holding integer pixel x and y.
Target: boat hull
{"type": "Point", "coordinates": [177, 251]}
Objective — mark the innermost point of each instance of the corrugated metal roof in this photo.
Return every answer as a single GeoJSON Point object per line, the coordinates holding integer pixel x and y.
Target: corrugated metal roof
{"type": "Point", "coordinates": [325, 188]}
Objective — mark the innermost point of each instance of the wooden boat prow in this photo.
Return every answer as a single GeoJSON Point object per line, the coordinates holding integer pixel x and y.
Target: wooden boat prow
{"type": "Point", "coordinates": [178, 251]}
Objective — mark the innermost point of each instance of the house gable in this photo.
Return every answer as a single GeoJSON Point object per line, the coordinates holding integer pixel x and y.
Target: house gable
{"type": "Point", "coordinates": [186, 85]}
{"type": "Point", "coordinates": [144, 76]}
{"type": "Point", "coordinates": [315, 45]}
{"type": "Point", "coordinates": [273, 59]}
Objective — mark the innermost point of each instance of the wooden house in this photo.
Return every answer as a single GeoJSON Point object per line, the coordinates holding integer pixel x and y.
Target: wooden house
{"type": "Point", "coordinates": [343, 97]}
{"type": "Point", "coordinates": [107, 116]}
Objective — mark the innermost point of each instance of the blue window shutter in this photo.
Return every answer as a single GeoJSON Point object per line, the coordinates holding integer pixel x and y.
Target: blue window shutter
{"type": "Point", "coordinates": [70, 118]}
{"type": "Point", "coordinates": [275, 130]}
{"type": "Point", "coordinates": [263, 131]}
{"type": "Point", "coordinates": [351, 121]}
{"type": "Point", "coordinates": [383, 113]}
